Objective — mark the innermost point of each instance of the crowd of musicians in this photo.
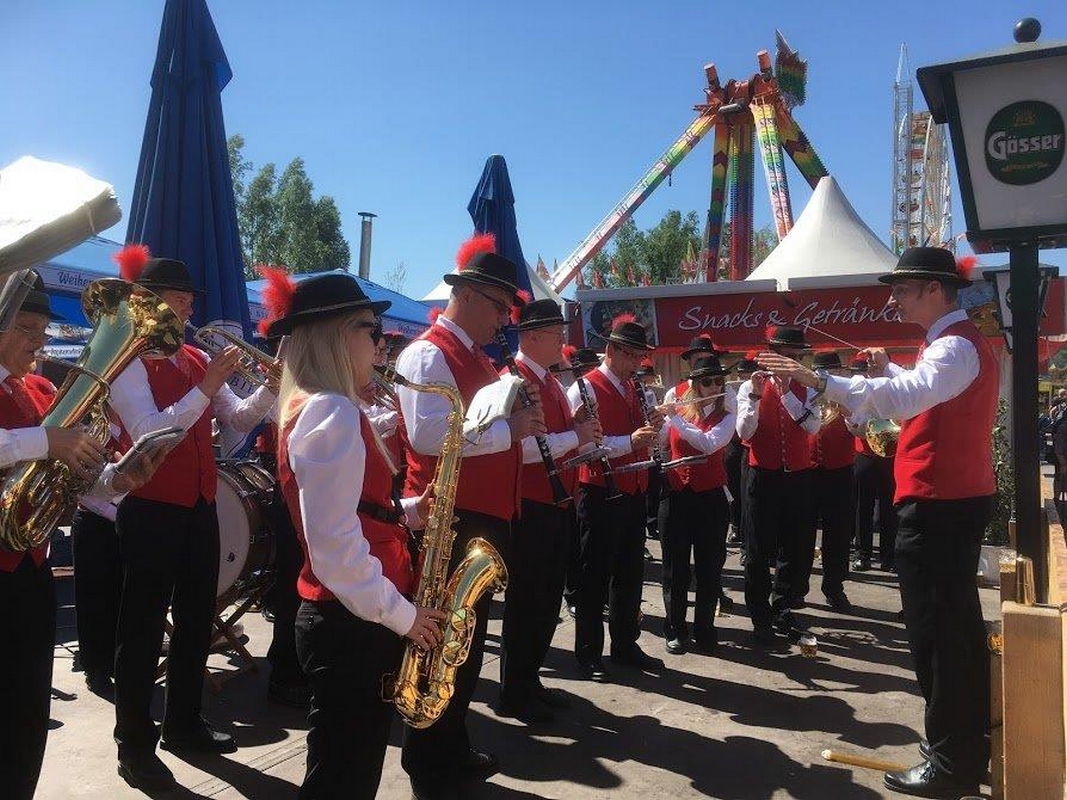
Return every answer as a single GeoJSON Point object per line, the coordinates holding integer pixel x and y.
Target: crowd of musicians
{"type": "Point", "coordinates": [766, 446]}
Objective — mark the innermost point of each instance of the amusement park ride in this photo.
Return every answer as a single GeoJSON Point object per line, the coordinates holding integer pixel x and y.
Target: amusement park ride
{"type": "Point", "coordinates": [742, 113]}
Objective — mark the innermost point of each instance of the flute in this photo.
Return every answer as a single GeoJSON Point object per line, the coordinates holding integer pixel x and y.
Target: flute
{"type": "Point", "coordinates": [559, 493]}
{"type": "Point", "coordinates": [605, 464]}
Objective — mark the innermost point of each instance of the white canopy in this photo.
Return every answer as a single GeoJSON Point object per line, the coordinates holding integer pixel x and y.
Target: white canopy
{"type": "Point", "coordinates": [541, 290]}
{"type": "Point", "coordinates": [828, 239]}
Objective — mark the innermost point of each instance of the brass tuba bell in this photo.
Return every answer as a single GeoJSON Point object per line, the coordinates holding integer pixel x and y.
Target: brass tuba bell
{"type": "Point", "coordinates": [881, 436]}
{"type": "Point", "coordinates": [128, 321]}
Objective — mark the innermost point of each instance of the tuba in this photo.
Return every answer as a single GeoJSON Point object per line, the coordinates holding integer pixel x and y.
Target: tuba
{"type": "Point", "coordinates": [426, 680]}
{"type": "Point", "coordinates": [881, 436]}
{"type": "Point", "coordinates": [128, 321]}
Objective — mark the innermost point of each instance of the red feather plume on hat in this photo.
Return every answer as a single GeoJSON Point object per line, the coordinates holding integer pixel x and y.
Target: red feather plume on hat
{"type": "Point", "coordinates": [751, 355]}
{"type": "Point", "coordinates": [569, 351]}
{"type": "Point", "coordinates": [622, 319]}
{"type": "Point", "coordinates": [965, 266]}
{"type": "Point", "coordinates": [277, 295]}
{"type": "Point", "coordinates": [435, 312]}
{"type": "Point", "coordinates": [770, 331]}
{"type": "Point", "coordinates": [478, 243]}
{"type": "Point", "coordinates": [523, 297]}
{"type": "Point", "coordinates": [131, 260]}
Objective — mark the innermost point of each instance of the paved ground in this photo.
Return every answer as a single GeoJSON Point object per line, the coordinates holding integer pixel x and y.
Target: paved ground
{"type": "Point", "coordinates": [743, 724]}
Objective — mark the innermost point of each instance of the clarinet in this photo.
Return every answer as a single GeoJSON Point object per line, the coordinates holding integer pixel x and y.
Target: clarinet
{"type": "Point", "coordinates": [657, 453]}
{"type": "Point", "coordinates": [605, 465]}
{"type": "Point", "coordinates": [559, 494]}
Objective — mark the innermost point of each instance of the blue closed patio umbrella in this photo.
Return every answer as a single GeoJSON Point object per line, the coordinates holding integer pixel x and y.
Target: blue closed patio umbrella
{"type": "Point", "coordinates": [183, 202]}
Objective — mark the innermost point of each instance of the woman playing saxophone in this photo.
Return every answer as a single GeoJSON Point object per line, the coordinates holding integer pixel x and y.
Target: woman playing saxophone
{"type": "Point", "coordinates": [336, 477]}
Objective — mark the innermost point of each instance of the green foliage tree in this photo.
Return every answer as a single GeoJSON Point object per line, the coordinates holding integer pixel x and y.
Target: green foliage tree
{"type": "Point", "coordinates": [280, 220]}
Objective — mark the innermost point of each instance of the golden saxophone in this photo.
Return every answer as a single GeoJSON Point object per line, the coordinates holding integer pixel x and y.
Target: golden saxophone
{"type": "Point", "coordinates": [426, 680]}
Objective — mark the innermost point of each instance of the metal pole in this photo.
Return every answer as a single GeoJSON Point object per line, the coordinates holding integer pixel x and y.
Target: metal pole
{"type": "Point", "coordinates": [364, 244]}
{"type": "Point", "coordinates": [1025, 315]}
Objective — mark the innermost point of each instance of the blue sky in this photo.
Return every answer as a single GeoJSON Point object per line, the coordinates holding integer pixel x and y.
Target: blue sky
{"type": "Point", "coordinates": [395, 106]}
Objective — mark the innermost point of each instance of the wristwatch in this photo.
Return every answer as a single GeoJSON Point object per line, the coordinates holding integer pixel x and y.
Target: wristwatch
{"type": "Point", "coordinates": [821, 376]}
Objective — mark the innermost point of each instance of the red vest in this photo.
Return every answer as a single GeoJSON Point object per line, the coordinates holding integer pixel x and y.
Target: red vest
{"type": "Point", "coordinates": [946, 453]}
{"type": "Point", "coordinates": [619, 416]}
{"type": "Point", "coordinates": [558, 418]}
{"type": "Point", "coordinates": [12, 416]}
{"type": "Point", "coordinates": [188, 472]}
{"type": "Point", "coordinates": [779, 442]}
{"type": "Point", "coordinates": [699, 477]}
{"type": "Point", "coordinates": [388, 541]}
{"type": "Point", "coordinates": [488, 484]}
{"type": "Point", "coordinates": [833, 447]}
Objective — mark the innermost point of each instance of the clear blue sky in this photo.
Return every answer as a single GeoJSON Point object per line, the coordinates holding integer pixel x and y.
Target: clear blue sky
{"type": "Point", "coordinates": [395, 106]}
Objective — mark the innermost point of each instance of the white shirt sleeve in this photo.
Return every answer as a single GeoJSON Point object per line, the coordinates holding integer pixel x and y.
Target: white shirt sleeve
{"type": "Point", "coordinates": [709, 441]}
{"type": "Point", "coordinates": [559, 444]}
{"type": "Point", "coordinates": [892, 370]}
{"type": "Point", "coordinates": [132, 399]}
{"type": "Point", "coordinates": [328, 458]}
{"type": "Point", "coordinates": [574, 396]}
{"type": "Point", "coordinates": [241, 414]}
{"type": "Point", "coordinates": [747, 411]}
{"type": "Point", "coordinates": [947, 367]}
{"type": "Point", "coordinates": [730, 400]}
{"type": "Point", "coordinates": [382, 419]}
{"type": "Point", "coordinates": [802, 413]}
{"type": "Point", "coordinates": [22, 444]}
{"type": "Point", "coordinates": [426, 414]}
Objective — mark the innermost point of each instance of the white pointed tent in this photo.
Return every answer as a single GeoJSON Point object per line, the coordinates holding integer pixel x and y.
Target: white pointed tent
{"type": "Point", "coordinates": [829, 239]}
{"type": "Point", "coordinates": [541, 290]}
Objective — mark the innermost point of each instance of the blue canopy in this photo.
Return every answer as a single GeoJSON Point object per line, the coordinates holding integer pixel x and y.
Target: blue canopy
{"type": "Point", "coordinates": [183, 203]}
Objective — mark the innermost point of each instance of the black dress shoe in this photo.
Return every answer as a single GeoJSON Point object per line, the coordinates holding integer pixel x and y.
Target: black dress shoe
{"type": "Point", "coordinates": [764, 634]}
{"type": "Point", "coordinates": [795, 603]}
{"type": "Point", "coordinates": [861, 564]}
{"type": "Point", "coordinates": [145, 771]}
{"type": "Point", "coordinates": [531, 711]}
{"type": "Point", "coordinates": [705, 640]}
{"type": "Point", "coordinates": [636, 657]}
{"type": "Point", "coordinates": [785, 623]}
{"type": "Point", "coordinates": [479, 763]}
{"type": "Point", "coordinates": [553, 698]}
{"type": "Point", "coordinates": [594, 671]}
{"type": "Point", "coordinates": [101, 684]}
{"type": "Point", "coordinates": [839, 602]}
{"type": "Point", "coordinates": [924, 749]}
{"type": "Point", "coordinates": [296, 695]}
{"type": "Point", "coordinates": [199, 739]}
{"type": "Point", "coordinates": [675, 646]}
{"type": "Point", "coordinates": [923, 780]}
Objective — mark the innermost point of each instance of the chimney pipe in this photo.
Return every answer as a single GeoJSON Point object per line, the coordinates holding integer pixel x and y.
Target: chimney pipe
{"type": "Point", "coordinates": [364, 243]}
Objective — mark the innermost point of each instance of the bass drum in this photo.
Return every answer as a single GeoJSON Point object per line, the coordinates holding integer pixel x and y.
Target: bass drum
{"type": "Point", "coordinates": [246, 543]}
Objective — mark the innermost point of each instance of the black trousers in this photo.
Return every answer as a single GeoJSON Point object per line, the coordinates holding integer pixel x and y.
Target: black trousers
{"type": "Point", "coordinates": [874, 482]}
{"type": "Point", "coordinates": [432, 753]}
{"type": "Point", "coordinates": [97, 590]}
{"type": "Point", "coordinates": [733, 456]}
{"type": "Point", "coordinates": [28, 631]}
{"type": "Point", "coordinates": [652, 497]}
{"type": "Point", "coordinates": [938, 545]}
{"type": "Point", "coordinates": [170, 558]}
{"type": "Point", "coordinates": [574, 560]}
{"type": "Point", "coordinates": [612, 534]}
{"type": "Point", "coordinates": [692, 523]}
{"type": "Point", "coordinates": [779, 515]}
{"type": "Point", "coordinates": [345, 658]}
{"type": "Point", "coordinates": [537, 567]}
{"type": "Point", "coordinates": [283, 599]}
{"type": "Point", "coordinates": [833, 509]}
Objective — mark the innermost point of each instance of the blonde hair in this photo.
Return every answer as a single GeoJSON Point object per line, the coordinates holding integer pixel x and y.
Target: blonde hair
{"type": "Point", "coordinates": [316, 359]}
{"type": "Point", "coordinates": [694, 413]}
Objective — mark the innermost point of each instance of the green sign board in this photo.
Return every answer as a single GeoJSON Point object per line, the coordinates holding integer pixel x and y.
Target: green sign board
{"type": "Point", "coordinates": [1024, 143]}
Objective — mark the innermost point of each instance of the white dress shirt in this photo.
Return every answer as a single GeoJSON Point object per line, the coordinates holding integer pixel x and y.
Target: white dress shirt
{"type": "Point", "coordinates": [947, 366]}
{"type": "Point", "coordinates": [559, 444]}
{"type": "Point", "coordinates": [618, 445]}
{"type": "Point", "coordinates": [706, 441]}
{"type": "Point", "coordinates": [328, 458]}
{"type": "Point", "coordinates": [131, 397]}
{"type": "Point", "coordinates": [748, 411]}
{"type": "Point", "coordinates": [426, 414]}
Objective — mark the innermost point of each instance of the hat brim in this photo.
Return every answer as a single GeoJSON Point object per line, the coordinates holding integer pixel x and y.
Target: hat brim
{"type": "Point", "coordinates": [923, 275]}
{"type": "Point", "coordinates": [458, 279]}
{"type": "Point", "coordinates": [687, 354]}
{"type": "Point", "coordinates": [153, 286]}
{"type": "Point", "coordinates": [705, 372]}
{"type": "Point", "coordinates": [534, 324]}
{"type": "Point", "coordinates": [283, 326]}
{"type": "Point", "coordinates": [790, 345]}
{"type": "Point", "coordinates": [619, 340]}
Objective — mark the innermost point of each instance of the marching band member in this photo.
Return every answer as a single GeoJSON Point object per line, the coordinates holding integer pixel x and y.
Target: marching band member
{"type": "Point", "coordinates": [776, 419]}
{"type": "Point", "coordinates": [612, 530]}
{"type": "Point", "coordinates": [832, 496]}
{"type": "Point", "coordinates": [694, 513]}
{"type": "Point", "coordinates": [484, 288]}
{"type": "Point", "coordinates": [27, 593]}
{"type": "Point", "coordinates": [540, 538]}
{"type": "Point", "coordinates": [169, 534]}
{"type": "Point", "coordinates": [337, 481]}
{"type": "Point", "coordinates": [945, 488]}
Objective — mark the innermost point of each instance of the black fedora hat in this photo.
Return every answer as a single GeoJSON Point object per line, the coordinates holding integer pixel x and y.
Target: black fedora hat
{"type": "Point", "coordinates": [319, 298]}
{"type": "Point", "coordinates": [826, 360]}
{"type": "Point", "coordinates": [706, 366]}
{"type": "Point", "coordinates": [930, 264]}
{"type": "Point", "coordinates": [701, 344]}
{"type": "Point", "coordinates": [137, 265]}
{"type": "Point", "coordinates": [36, 300]}
{"type": "Point", "coordinates": [627, 332]}
{"type": "Point", "coordinates": [747, 363]}
{"type": "Point", "coordinates": [579, 358]}
{"type": "Point", "coordinates": [786, 336]}
{"type": "Point", "coordinates": [537, 314]}
{"type": "Point", "coordinates": [478, 262]}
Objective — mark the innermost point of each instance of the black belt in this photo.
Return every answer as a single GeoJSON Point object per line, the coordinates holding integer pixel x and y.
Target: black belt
{"type": "Point", "coordinates": [380, 513]}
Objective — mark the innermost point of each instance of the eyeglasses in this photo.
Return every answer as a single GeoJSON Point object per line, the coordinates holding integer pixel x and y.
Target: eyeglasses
{"type": "Point", "coordinates": [30, 333]}
{"type": "Point", "coordinates": [708, 382]}
{"type": "Point", "coordinates": [501, 308]}
{"type": "Point", "coordinates": [365, 324]}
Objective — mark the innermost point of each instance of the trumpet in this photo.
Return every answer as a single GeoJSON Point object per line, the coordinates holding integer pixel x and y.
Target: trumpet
{"type": "Point", "coordinates": [253, 365]}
